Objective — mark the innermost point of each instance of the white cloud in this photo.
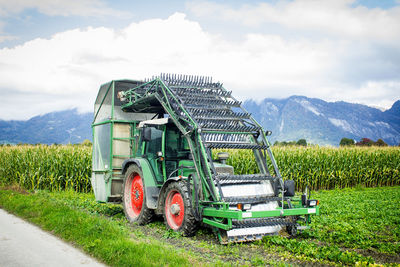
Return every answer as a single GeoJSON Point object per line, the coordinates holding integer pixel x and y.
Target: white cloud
{"type": "Point", "coordinates": [66, 70]}
{"type": "Point", "coordinates": [59, 7]}
{"type": "Point", "coordinates": [337, 18]}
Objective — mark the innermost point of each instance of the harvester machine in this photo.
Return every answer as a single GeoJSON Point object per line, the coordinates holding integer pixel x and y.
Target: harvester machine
{"type": "Point", "coordinates": [161, 146]}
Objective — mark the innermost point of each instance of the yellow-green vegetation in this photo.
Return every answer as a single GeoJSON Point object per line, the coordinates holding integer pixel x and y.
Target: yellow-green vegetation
{"type": "Point", "coordinates": [69, 167]}
{"type": "Point", "coordinates": [55, 168]}
{"type": "Point", "coordinates": [355, 225]}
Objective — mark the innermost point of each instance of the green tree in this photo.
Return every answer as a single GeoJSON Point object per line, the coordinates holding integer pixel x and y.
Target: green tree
{"type": "Point", "coordinates": [302, 142]}
{"type": "Point", "coordinates": [86, 142]}
{"type": "Point", "coordinates": [380, 142]}
{"type": "Point", "coordinates": [365, 142]}
{"type": "Point", "coordinates": [346, 142]}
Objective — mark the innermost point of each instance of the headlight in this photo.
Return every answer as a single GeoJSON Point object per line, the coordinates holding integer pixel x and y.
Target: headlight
{"type": "Point", "coordinates": [312, 202]}
{"type": "Point", "coordinates": [247, 206]}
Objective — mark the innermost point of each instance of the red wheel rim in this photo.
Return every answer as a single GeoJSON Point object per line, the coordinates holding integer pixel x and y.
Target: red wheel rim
{"type": "Point", "coordinates": [137, 195]}
{"type": "Point", "coordinates": [174, 209]}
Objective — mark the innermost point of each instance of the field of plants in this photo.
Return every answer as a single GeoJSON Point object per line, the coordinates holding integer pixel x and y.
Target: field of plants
{"type": "Point", "coordinates": [355, 225]}
{"type": "Point", "coordinates": [329, 168]}
{"type": "Point", "coordinates": [358, 225]}
{"type": "Point", "coordinates": [54, 168]}
{"type": "Point", "coordinates": [58, 168]}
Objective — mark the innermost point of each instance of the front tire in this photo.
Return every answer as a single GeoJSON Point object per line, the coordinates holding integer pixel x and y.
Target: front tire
{"type": "Point", "coordinates": [134, 197]}
{"type": "Point", "coordinates": [178, 210]}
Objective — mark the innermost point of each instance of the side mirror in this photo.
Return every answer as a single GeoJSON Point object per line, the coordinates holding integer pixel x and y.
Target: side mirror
{"type": "Point", "coordinates": [146, 134]}
{"type": "Point", "coordinates": [289, 187]}
{"type": "Point", "coordinates": [268, 133]}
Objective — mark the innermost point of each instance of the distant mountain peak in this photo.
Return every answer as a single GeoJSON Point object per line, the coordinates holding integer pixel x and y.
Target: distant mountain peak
{"type": "Point", "coordinates": [396, 106]}
{"type": "Point", "coordinates": [61, 127]}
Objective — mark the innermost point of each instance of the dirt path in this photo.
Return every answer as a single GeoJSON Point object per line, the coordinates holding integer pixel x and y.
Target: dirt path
{"type": "Point", "coordinates": [23, 244]}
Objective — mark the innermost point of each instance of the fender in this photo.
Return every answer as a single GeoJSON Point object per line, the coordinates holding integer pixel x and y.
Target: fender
{"type": "Point", "coordinates": [151, 188]}
{"type": "Point", "coordinates": [128, 162]}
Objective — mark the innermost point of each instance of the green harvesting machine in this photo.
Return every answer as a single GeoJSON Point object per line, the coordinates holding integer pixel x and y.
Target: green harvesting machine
{"type": "Point", "coordinates": [160, 147]}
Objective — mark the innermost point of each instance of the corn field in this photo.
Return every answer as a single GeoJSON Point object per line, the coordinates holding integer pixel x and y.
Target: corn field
{"type": "Point", "coordinates": [328, 168]}
{"type": "Point", "coordinates": [54, 168]}
{"type": "Point", "coordinates": [57, 168]}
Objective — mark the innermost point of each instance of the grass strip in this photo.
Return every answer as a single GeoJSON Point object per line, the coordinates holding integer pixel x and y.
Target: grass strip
{"type": "Point", "coordinates": [107, 240]}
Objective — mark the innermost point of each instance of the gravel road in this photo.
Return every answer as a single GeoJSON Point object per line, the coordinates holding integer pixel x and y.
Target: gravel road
{"type": "Point", "coordinates": [23, 244]}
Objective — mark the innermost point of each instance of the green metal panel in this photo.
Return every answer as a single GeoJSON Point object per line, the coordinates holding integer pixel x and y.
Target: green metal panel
{"type": "Point", "coordinates": [111, 146]}
{"type": "Point", "coordinates": [216, 224]}
{"type": "Point", "coordinates": [164, 171]}
{"type": "Point", "coordinates": [213, 212]}
{"type": "Point", "coordinates": [239, 215]}
{"type": "Point", "coordinates": [186, 171]}
{"type": "Point", "coordinates": [148, 175]}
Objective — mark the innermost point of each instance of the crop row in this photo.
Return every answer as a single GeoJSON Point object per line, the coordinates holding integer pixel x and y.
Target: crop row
{"type": "Point", "coordinates": [59, 167]}
{"type": "Point", "coordinates": [329, 168]}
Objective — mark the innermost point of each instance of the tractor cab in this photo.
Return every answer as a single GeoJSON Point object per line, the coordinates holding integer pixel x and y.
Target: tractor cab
{"type": "Point", "coordinates": [162, 144]}
{"type": "Point", "coordinates": [167, 150]}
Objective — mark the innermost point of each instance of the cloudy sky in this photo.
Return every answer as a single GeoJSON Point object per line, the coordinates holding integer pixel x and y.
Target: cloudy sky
{"type": "Point", "coordinates": [54, 54]}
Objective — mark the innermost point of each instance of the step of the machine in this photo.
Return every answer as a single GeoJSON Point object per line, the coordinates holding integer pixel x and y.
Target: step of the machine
{"type": "Point", "coordinates": [247, 178]}
{"type": "Point", "coordinates": [240, 140]}
{"type": "Point", "coordinates": [217, 113]}
{"type": "Point", "coordinates": [221, 116]}
{"type": "Point", "coordinates": [201, 92]}
{"type": "Point", "coordinates": [226, 126]}
{"type": "Point", "coordinates": [211, 102]}
{"type": "Point", "coordinates": [234, 146]}
{"type": "Point", "coordinates": [223, 137]}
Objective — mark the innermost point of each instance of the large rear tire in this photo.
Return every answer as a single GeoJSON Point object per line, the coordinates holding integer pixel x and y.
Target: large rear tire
{"type": "Point", "coordinates": [178, 209]}
{"type": "Point", "coordinates": [134, 197]}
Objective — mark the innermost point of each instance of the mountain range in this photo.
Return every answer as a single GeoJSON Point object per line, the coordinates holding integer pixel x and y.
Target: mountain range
{"type": "Point", "coordinates": [293, 118]}
{"type": "Point", "coordinates": [61, 127]}
{"type": "Point", "coordinates": [325, 123]}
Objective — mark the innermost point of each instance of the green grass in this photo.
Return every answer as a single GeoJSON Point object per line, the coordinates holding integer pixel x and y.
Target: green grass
{"type": "Point", "coordinates": [355, 225]}
{"type": "Point", "coordinates": [73, 218]}
{"type": "Point", "coordinates": [360, 218]}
